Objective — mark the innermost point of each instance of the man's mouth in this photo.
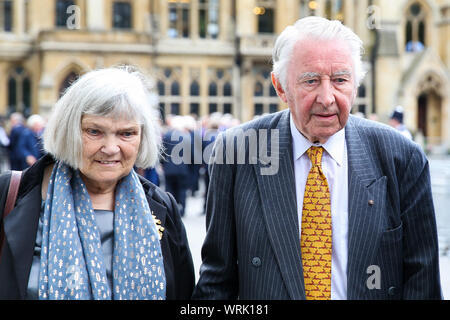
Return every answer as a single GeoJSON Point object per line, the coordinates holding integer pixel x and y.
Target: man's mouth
{"type": "Point", "coordinates": [326, 116]}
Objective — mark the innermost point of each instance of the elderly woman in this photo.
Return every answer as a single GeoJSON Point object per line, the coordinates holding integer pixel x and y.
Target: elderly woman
{"type": "Point", "coordinates": [85, 225]}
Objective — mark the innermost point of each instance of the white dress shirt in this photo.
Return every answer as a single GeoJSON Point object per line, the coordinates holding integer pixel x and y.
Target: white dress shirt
{"type": "Point", "coordinates": [335, 168]}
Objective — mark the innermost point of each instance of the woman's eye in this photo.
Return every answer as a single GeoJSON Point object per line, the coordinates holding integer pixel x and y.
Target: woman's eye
{"type": "Point", "coordinates": [128, 134]}
{"type": "Point", "coordinates": [93, 132]}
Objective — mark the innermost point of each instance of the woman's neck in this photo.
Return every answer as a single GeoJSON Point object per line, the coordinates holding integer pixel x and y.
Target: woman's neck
{"type": "Point", "coordinates": [102, 194]}
{"type": "Point", "coordinates": [102, 201]}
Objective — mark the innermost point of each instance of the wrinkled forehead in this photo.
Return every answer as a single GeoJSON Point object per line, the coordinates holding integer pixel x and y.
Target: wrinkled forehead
{"type": "Point", "coordinates": [108, 121]}
{"type": "Point", "coordinates": [115, 108]}
{"type": "Point", "coordinates": [322, 45]}
{"type": "Point", "coordinates": [322, 57]}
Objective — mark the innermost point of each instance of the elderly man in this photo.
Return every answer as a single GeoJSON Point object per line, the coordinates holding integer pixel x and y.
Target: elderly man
{"type": "Point", "coordinates": [348, 214]}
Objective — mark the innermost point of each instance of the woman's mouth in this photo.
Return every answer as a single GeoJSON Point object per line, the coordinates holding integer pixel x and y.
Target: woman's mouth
{"type": "Point", "coordinates": [107, 163]}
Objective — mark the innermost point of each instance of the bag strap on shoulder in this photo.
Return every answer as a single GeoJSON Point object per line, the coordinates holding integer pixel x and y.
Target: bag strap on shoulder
{"type": "Point", "coordinates": [13, 189]}
{"type": "Point", "coordinates": [12, 192]}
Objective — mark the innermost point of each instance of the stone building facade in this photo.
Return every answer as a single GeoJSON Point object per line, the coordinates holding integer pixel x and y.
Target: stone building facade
{"type": "Point", "coordinates": [215, 55]}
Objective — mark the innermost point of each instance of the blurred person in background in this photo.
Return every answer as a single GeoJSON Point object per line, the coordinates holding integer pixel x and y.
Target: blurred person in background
{"type": "Point", "coordinates": [151, 174]}
{"type": "Point", "coordinates": [176, 169]}
{"type": "Point", "coordinates": [30, 141]}
{"type": "Point", "coordinates": [195, 135]}
{"type": "Point", "coordinates": [210, 135]}
{"type": "Point", "coordinates": [4, 147]}
{"type": "Point", "coordinates": [17, 128]}
{"type": "Point", "coordinates": [396, 121]}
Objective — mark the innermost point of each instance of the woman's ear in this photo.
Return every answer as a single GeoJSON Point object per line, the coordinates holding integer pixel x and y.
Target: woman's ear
{"type": "Point", "coordinates": [279, 88]}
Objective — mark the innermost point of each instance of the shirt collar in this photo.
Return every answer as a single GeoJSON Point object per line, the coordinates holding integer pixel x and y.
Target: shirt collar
{"type": "Point", "coordinates": [334, 146]}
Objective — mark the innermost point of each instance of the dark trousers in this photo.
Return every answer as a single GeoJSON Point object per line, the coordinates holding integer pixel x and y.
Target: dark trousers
{"type": "Point", "coordinates": [177, 186]}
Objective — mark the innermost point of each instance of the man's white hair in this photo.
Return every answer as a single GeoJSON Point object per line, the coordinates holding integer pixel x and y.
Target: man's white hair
{"type": "Point", "coordinates": [17, 117]}
{"type": "Point", "coordinates": [119, 93]}
{"type": "Point", "coordinates": [35, 119]}
{"type": "Point", "coordinates": [315, 28]}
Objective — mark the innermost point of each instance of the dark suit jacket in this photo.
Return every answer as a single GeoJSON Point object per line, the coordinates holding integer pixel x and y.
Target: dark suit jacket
{"type": "Point", "coordinates": [30, 144]}
{"type": "Point", "coordinates": [252, 246]}
{"type": "Point", "coordinates": [21, 227]}
{"type": "Point", "coordinates": [179, 170]}
{"type": "Point", "coordinates": [16, 158]}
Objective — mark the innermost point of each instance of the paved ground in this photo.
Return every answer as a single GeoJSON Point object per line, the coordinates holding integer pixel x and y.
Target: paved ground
{"type": "Point", "coordinates": [195, 227]}
{"type": "Point", "coordinates": [445, 276]}
{"type": "Point", "coordinates": [194, 223]}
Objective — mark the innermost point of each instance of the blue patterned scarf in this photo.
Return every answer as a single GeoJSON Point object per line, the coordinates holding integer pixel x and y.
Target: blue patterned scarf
{"type": "Point", "coordinates": [72, 264]}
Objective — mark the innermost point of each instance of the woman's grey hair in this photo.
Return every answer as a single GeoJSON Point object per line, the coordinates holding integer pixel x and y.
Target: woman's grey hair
{"type": "Point", "coordinates": [119, 93]}
{"type": "Point", "coordinates": [316, 28]}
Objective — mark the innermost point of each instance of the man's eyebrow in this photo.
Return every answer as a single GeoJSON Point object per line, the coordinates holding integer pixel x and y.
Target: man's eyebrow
{"type": "Point", "coordinates": [342, 73]}
{"type": "Point", "coordinates": [308, 75]}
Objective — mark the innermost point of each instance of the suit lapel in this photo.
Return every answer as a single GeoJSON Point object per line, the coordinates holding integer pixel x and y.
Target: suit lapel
{"type": "Point", "coordinates": [278, 198]}
{"type": "Point", "coordinates": [20, 229]}
{"type": "Point", "coordinates": [367, 195]}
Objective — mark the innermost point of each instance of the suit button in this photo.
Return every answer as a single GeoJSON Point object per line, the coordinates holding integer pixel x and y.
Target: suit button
{"type": "Point", "coordinates": [256, 262]}
{"type": "Point", "coordinates": [392, 291]}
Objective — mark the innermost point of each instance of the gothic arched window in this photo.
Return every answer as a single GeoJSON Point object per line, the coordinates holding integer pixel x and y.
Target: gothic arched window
{"type": "Point", "coordinates": [122, 15]}
{"type": "Point", "coordinates": [19, 92]}
{"type": "Point", "coordinates": [194, 99]}
{"type": "Point", "coordinates": [415, 28]}
{"type": "Point", "coordinates": [179, 12]}
{"type": "Point", "coordinates": [265, 98]}
{"type": "Point", "coordinates": [6, 12]}
{"type": "Point", "coordinates": [265, 13]}
{"type": "Point", "coordinates": [169, 91]}
{"type": "Point", "coordinates": [175, 88]}
{"type": "Point", "coordinates": [195, 88]}
{"type": "Point", "coordinates": [61, 13]}
{"type": "Point", "coordinates": [208, 15]}
{"type": "Point", "coordinates": [220, 92]}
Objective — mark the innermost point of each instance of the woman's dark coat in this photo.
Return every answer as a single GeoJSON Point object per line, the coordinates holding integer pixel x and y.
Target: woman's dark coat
{"type": "Point", "coordinates": [22, 223]}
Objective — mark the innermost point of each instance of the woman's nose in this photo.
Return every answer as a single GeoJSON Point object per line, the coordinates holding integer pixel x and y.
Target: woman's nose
{"type": "Point", "coordinates": [110, 146]}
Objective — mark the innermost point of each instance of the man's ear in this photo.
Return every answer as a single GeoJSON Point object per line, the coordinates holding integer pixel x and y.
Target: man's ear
{"type": "Point", "coordinates": [277, 85]}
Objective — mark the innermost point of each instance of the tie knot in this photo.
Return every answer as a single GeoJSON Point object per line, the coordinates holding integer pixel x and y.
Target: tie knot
{"type": "Point", "coordinates": [315, 155]}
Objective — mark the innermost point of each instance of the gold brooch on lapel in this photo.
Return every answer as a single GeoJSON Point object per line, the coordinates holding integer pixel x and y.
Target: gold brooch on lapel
{"type": "Point", "coordinates": [158, 226]}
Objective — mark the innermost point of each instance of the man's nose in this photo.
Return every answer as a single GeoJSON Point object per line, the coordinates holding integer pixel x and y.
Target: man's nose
{"type": "Point", "coordinates": [325, 95]}
{"type": "Point", "coordinates": [110, 145]}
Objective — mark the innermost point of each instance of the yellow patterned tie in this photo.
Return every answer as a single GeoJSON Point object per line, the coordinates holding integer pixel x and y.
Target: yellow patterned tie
{"type": "Point", "coordinates": [316, 231]}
